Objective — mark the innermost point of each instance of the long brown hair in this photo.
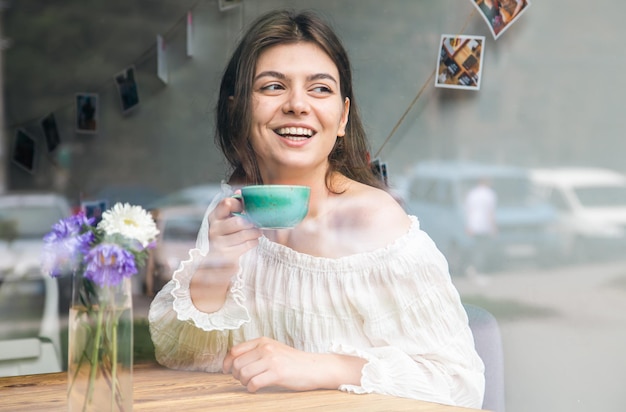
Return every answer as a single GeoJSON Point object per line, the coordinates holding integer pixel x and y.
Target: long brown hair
{"type": "Point", "coordinates": [350, 155]}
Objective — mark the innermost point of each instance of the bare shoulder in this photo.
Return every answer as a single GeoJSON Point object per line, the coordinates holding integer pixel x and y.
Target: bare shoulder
{"type": "Point", "coordinates": [373, 213]}
{"type": "Point", "coordinates": [381, 208]}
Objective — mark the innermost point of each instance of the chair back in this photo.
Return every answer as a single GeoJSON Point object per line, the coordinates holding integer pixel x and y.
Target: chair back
{"type": "Point", "coordinates": [488, 344]}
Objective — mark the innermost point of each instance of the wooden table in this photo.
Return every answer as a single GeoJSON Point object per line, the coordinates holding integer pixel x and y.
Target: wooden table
{"type": "Point", "coordinates": [160, 389]}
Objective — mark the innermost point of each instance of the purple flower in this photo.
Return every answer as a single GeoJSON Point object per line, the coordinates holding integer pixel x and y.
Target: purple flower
{"type": "Point", "coordinates": [69, 227]}
{"type": "Point", "coordinates": [64, 245]}
{"type": "Point", "coordinates": [108, 264]}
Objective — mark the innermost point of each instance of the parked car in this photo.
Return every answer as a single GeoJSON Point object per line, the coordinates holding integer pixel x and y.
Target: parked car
{"type": "Point", "coordinates": [200, 195]}
{"type": "Point", "coordinates": [24, 220]}
{"type": "Point", "coordinates": [591, 205]}
{"type": "Point", "coordinates": [138, 195]}
{"type": "Point", "coordinates": [435, 193]}
{"type": "Point", "coordinates": [178, 226]}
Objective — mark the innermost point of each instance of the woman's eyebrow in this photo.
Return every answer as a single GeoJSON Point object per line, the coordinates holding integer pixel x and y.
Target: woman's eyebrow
{"type": "Point", "coordinates": [281, 76]}
{"type": "Point", "coordinates": [270, 73]}
{"type": "Point", "coordinates": [322, 76]}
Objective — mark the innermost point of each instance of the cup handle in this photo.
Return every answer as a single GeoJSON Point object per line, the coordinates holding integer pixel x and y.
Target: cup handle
{"type": "Point", "coordinates": [240, 198]}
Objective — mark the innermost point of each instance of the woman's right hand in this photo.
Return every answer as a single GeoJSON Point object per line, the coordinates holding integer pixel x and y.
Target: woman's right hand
{"type": "Point", "coordinates": [230, 236]}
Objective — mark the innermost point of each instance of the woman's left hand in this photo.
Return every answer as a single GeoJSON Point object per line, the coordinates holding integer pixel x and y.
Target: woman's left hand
{"type": "Point", "coordinates": [264, 362]}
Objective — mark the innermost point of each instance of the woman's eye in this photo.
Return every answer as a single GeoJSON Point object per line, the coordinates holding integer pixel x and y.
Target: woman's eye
{"type": "Point", "coordinates": [272, 87]}
{"type": "Point", "coordinates": [322, 89]}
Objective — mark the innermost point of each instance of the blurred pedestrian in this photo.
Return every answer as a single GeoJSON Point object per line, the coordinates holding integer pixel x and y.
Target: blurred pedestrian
{"type": "Point", "coordinates": [480, 223]}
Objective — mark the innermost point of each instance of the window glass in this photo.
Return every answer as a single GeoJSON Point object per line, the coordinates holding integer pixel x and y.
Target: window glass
{"type": "Point", "coordinates": [551, 96]}
{"type": "Point", "coordinates": [558, 200]}
{"type": "Point", "coordinates": [29, 221]}
{"type": "Point", "coordinates": [601, 196]}
{"type": "Point", "coordinates": [181, 229]}
{"type": "Point", "coordinates": [424, 189]}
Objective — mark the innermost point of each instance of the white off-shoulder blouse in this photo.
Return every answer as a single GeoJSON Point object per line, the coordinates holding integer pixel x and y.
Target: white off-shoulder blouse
{"type": "Point", "coordinates": [395, 307]}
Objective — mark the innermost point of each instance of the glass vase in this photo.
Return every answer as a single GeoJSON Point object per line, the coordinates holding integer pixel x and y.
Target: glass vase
{"type": "Point", "coordinates": [100, 346]}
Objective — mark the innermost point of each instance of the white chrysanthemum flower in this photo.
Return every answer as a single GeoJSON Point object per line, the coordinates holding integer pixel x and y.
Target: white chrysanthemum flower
{"type": "Point", "coordinates": [133, 222]}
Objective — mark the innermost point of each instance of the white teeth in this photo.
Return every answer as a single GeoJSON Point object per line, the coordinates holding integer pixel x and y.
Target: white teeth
{"type": "Point", "coordinates": [294, 132]}
{"type": "Point", "coordinates": [295, 138]}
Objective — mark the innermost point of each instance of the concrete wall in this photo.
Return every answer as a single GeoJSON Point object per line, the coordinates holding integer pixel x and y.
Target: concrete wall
{"type": "Point", "coordinates": [550, 93]}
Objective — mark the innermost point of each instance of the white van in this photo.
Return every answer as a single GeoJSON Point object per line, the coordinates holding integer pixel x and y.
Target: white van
{"type": "Point", "coordinates": [591, 205]}
{"type": "Point", "coordinates": [435, 191]}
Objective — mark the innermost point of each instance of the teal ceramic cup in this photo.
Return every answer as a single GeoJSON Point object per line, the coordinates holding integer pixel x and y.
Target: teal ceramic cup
{"type": "Point", "coordinates": [275, 206]}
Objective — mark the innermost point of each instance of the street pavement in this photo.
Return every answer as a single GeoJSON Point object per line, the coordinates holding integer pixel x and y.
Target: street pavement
{"type": "Point", "coordinates": [563, 332]}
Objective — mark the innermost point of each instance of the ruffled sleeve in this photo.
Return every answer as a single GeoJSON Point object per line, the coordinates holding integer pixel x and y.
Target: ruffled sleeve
{"type": "Point", "coordinates": [422, 346]}
{"type": "Point", "coordinates": [183, 336]}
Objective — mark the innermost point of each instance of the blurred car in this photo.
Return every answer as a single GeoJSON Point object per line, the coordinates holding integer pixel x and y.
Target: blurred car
{"type": "Point", "coordinates": [591, 205]}
{"type": "Point", "coordinates": [134, 194]}
{"type": "Point", "coordinates": [178, 226]}
{"type": "Point", "coordinates": [24, 220]}
{"type": "Point", "coordinates": [200, 195]}
{"type": "Point", "coordinates": [435, 192]}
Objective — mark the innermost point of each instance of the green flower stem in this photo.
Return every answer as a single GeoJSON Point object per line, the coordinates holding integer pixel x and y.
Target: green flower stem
{"type": "Point", "coordinates": [94, 358]}
{"type": "Point", "coordinates": [83, 356]}
{"type": "Point", "coordinates": [114, 363]}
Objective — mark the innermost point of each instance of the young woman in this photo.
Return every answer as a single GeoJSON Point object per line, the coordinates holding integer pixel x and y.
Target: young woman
{"type": "Point", "coordinates": [356, 297]}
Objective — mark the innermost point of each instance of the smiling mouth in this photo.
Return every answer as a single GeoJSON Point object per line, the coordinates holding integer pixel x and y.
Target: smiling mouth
{"type": "Point", "coordinates": [295, 133]}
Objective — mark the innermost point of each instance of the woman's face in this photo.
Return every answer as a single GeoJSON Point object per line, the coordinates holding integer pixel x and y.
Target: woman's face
{"type": "Point", "coordinates": [297, 110]}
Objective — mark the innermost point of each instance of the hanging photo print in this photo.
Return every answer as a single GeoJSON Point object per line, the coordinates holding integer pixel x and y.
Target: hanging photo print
{"type": "Point", "coordinates": [127, 89]}
{"type": "Point", "coordinates": [87, 113]}
{"type": "Point", "coordinates": [189, 34]}
{"type": "Point", "coordinates": [161, 59]}
{"type": "Point", "coordinates": [23, 154]}
{"type": "Point", "coordinates": [51, 132]}
{"type": "Point", "coordinates": [500, 14]}
{"type": "Point", "coordinates": [94, 209]}
{"type": "Point", "coordinates": [459, 63]}
{"type": "Point", "coordinates": [380, 170]}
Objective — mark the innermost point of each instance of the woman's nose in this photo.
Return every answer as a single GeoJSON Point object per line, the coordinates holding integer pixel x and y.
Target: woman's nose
{"type": "Point", "coordinates": [296, 103]}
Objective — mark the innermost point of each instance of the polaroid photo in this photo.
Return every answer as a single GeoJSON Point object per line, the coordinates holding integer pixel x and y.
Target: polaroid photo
{"type": "Point", "coordinates": [228, 4]}
{"type": "Point", "coordinates": [459, 62]}
{"type": "Point", "coordinates": [162, 71]}
{"type": "Point", "coordinates": [51, 132]}
{"type": "Point", "coordinates": [380, 170]}
{"type": "Point", "coordinates": [127, 89]}
{"type": "Point", "coordinates": [87, 113]}
{"type": "Point", "coordinates": [500, 14]}
{"type": "Point", "coordinates": [383, 171]}
{"type": "Point", "coordinates": [94, 209]}
{"type": "Point", "coordinates": [24, 151]}
{"type": "Point", "coordinates": [189, 43]}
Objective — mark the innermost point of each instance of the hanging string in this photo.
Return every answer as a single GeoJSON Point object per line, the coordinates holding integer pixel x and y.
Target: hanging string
{"type": "Point", "coordinates": [140, 59]}
{"type": "Point", "coordinates": [419, 93]}
{"type": "Point", "coordinates": [53, 161]}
